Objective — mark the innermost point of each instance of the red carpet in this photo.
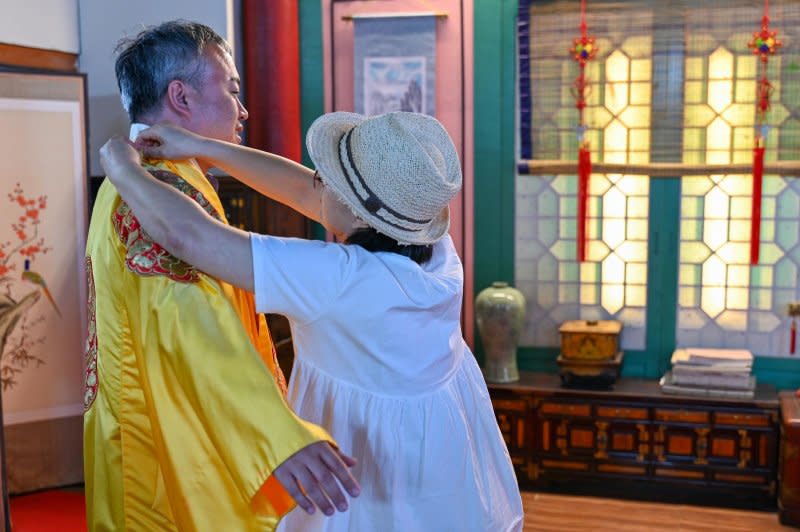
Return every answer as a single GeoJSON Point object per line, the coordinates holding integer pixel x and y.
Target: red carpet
{"type": "Point", "coordinates": [49, 511]}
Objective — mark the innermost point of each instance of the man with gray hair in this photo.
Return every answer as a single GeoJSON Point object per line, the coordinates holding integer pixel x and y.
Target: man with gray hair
{"type": "Point", "coordinates": [186, 425]}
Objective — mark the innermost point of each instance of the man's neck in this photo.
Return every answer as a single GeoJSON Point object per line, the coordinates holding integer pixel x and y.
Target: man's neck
{"type": "Point", "coordinates": [137, 127]}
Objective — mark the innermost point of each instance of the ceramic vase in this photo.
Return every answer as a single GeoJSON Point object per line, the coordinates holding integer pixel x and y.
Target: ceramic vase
{"type": "Point", "coordinates": [500, 313]}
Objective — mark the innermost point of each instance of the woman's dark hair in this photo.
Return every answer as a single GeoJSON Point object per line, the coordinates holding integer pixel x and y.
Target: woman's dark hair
{"type": "Point", "coordinates": [371, 240]}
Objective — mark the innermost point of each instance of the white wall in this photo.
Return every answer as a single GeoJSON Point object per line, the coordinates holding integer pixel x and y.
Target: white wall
{"type": "Point", "coordinates": [48, 24]}
{"type": "Point", "coordinates": [102, 24]}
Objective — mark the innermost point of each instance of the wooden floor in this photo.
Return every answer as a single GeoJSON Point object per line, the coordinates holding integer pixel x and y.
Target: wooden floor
{"type": "Point", "coordinates": [559, 513]}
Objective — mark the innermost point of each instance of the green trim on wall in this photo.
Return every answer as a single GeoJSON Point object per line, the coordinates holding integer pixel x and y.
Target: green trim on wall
{"type": "Point", "coordinates": [784, 373]}
{"type": "Point", "coordinates": [665, 201]}
{"type": "Point", "coordinates": [538, 359]}
{"type": "Point", "coordinates": [662, 275]}
{"type": "Point", "coordinates": [494, 71]}
{"type": "Point", "coordinates": [634, 364]}
{"type": "Point", "coordinates": [312, 83]}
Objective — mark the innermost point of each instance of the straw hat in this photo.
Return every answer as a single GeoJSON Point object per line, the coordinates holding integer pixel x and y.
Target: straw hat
{"type": "Point", "coordinates": [396, 171]}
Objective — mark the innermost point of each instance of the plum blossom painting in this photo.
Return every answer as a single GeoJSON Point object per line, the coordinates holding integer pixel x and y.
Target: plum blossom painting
{"type": "Point", "coordinates": [42, 231]}
{"type": "Point", "coordinates": [395, 64]}
{"type": "Point", "coordinates": [19, 321]}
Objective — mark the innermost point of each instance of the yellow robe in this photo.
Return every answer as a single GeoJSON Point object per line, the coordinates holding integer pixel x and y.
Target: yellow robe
{"type": "Point", "coordinates": [184, 420]}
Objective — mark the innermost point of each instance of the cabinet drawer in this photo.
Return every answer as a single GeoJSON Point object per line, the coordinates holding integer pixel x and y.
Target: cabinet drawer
{"type": "Point", "coordinates": [741, 478]}
{"type": "Point", "coordinates": [750, 420]}
{"type": "Point", "coordinates": [682, 416]}
{"type": "Point", "coordinates": [621, 412]}
{"type": "Point", "coordinates": [514, 405]}
{"type": "Point", "coordinates": [566, 409]}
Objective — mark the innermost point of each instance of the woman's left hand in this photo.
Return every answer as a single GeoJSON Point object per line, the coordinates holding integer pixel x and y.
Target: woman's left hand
{"type": "Point", "coordinates": [118, 152]}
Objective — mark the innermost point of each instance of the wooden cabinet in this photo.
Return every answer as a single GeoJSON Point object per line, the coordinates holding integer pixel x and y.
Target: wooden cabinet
{"type": "Point", "coordinates": [789, 472]}
{"type": "Point", "coordinates": [638, 435]}
{"type": "Point", "coordinates": [515, 421]}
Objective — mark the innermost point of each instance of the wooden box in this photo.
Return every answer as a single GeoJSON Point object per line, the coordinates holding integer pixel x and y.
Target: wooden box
{"type": "Point", "coordinates": [590, 340]}
{"type": "Point", "coordinates": [789, 471]}
{"type": "Point", "coordinates": [589, 373]}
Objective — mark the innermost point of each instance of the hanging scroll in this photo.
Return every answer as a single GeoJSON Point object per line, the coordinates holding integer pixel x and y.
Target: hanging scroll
{"type": "Point", "coordinates": [395, 64]}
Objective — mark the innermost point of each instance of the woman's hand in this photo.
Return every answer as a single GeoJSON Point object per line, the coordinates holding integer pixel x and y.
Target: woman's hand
{"type": "Point", "coordinates": [117, 153]}
{"type": "Point", "coordinates": [168, 141]}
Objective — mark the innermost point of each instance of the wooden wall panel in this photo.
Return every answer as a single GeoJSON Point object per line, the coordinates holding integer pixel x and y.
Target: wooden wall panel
{"type": "Point", "coordinates": [24, 56]}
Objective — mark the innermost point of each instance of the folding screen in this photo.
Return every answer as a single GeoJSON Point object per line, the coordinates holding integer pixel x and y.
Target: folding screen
{"type": "Point", "coordinates": [42, 282]}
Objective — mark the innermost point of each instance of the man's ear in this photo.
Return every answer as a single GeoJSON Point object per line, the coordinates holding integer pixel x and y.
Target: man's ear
{"type": "Point", "coordinates": [178, 98]}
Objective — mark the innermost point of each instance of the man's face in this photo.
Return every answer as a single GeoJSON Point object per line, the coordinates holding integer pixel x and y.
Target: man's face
{"type": "Point", "coordinates": [217, 111]}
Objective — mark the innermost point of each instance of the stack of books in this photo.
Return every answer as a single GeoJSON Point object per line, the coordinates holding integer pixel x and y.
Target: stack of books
{"type": "Point", "coordinates": [711, 372]}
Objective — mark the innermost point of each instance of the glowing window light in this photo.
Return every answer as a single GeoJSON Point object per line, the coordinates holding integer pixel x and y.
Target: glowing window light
{"type": "Point", "coordinates": [718, 290]}
{"type": "Point", "coordinates": [720, 75]}
{"type": "Point", "coordinates": [612, 283]}
{"type": "Point", "coordinates": [712, 299]}
{"type": "Point", "coordinates": [718, 142]}
{"type": "Point", "coordinates": [720, 225]}
{"type": "Point", "coordinates": [616, 142]}
{"type": "Point", "coordinates": [618, 77]}
{"type": "Point", "coordinates": [624, 206]}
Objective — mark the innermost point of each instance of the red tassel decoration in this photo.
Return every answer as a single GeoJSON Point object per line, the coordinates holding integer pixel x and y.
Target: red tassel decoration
{"type": "Point", "coordinates": [584, 171]}
{"type": "Point", "coordinates": [793, 311]}
{"type": "Point", "coordinates": [755, 216]}
{"type": "Point", "coordinates": [764, 44]}
{"type": "Point", "coordinates": [583, 50]}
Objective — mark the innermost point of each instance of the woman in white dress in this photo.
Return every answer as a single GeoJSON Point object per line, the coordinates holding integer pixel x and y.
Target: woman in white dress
{"type": "Point", "coordinates": [380, 360]}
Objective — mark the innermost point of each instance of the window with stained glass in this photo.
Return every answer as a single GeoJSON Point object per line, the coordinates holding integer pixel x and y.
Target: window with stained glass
{"type": "Point", "coordinates": [704, 113]}
{"type": "Point", "coordinates": [722, 299]}
{"type": "Point", "coordinates": [612, 282]}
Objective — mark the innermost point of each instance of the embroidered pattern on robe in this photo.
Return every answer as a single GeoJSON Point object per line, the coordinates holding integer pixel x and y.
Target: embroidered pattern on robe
{"type": "Point", "coordinates": [90, 389]}
{"type": "Point", "coordinates": [143, 255]}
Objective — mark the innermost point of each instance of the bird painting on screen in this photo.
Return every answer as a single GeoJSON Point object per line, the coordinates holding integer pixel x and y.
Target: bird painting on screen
{"type": "Point", "coordinates": [37, 279]}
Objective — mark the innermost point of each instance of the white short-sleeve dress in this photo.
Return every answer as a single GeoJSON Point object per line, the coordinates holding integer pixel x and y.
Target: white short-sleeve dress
{"type": "Point", "coordinates": [381, 363]}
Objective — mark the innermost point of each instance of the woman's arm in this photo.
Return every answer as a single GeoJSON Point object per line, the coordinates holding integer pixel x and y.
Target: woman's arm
{"type": "Point", "coordinates": [176, 222]}
{"type": "Point", "coordinates": [274, 176]}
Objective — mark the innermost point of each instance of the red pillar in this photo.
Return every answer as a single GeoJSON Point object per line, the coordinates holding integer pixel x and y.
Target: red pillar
{"type": "Point", "coordinates": [272, 76]}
